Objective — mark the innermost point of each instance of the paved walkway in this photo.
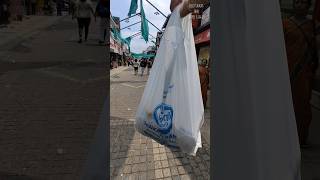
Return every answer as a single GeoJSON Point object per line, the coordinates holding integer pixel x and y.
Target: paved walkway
{"type": "Point", "coordinates": [17, 31]}
{"type": "Point", "coordinates": [311, 155]}
{"type": "Point", "coordinates": [52, 92]}
{"type": "Point", "coordinates": [134, 156]}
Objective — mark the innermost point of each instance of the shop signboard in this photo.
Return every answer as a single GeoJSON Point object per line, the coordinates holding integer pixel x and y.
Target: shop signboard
{"type": "Point", "coordinates": [202, 37]}
{"type": "Point", "coordinates": [205, 16]}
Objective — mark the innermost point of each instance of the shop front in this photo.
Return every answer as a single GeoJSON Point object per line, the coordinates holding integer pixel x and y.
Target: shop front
{"type": "Point", "coordinates": [114, 51]}
{"type": "Point", "coordinates": [202, 41]}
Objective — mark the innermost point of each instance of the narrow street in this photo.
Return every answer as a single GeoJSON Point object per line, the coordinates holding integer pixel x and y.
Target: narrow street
{"type": "Point", "coordinates": [52, 92]}
{"type": "Point", "coordinates": [134, 156]}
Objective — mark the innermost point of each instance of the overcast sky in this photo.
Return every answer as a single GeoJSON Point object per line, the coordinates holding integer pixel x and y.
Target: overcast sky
{"type": "Point", "coordinates": [120, 8]}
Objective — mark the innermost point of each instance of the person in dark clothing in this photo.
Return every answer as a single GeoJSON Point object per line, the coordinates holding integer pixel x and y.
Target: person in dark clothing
{"type": "Point", "coordinates": [143, 65]}
{"type": "Point", "coordinates": [204, 81]}
{"type": "Point", "coordinates": [149, 65]}
{"type": "Point", "coordinates": [302, 62]}
{"type": "Point", "coordinates": [102, 12]}
{"type": "Point", "coordinates": [33, 7]}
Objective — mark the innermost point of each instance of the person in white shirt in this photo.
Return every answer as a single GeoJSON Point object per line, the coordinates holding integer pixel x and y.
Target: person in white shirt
{"type": "Point", "coordinates": [83, 12]}
{"type": "Point", "coordinates": [136, 66]}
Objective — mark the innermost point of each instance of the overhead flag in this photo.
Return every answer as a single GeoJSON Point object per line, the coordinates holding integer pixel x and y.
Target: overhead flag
{"type": "Point", "coordinates": [133, 7]}
{"type": "Point", "coordinates": [144, 23]}
{"type": "Point", "coordinates": [128, 39]}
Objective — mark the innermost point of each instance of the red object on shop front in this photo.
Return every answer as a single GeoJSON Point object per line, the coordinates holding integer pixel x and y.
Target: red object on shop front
{"type": "Point", "coordinates": [195, 23]}
{"type": "Point", "coordinates": [202, 37]}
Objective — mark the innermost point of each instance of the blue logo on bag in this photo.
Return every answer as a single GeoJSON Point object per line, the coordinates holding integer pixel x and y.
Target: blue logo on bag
{"type": "Point", "coordinates": [163, 115]}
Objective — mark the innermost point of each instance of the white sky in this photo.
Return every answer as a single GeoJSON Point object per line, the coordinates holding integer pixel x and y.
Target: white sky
{"type": "Point", "coordinates": [120, 8]}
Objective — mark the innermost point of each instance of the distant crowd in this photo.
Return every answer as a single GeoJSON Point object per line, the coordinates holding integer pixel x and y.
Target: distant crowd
{"type": "Point", "coordinates": [141, 64]}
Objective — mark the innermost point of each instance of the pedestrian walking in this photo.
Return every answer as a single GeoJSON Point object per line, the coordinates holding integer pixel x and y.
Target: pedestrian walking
{"type": "Point", "coordinates": [102, 12]}
{"type": "Point", "coordinates": [143, 65]}
{"type": "Point", "coordinates": [72, 7]}
{"type": "Point", "coordinates": [59, 7]}
{"type": "Point", "coordinates": [302, 62]}
{"type": "Point", "coordinates": [33, 7]}
{"type": "Point", "coordinates": [129, 62]}
{"type": "Point", "coordinates": [4, 12]}
{"type": "Point", "coordinates": [83, 13]}
{"type": "Point", "coordinates": [136, 66]}
{"type": "Point", "coordinates": [204, 81]}
{"type": "Point", "coordinates": [150, 62]}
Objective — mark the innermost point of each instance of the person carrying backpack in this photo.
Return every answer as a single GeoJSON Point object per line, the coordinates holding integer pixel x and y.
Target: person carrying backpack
{"type": "Point", "coordinates": [143, 65]}
{"type": "Point", "coordinates": [102, 12]}
{"type": "Point", "coordinates": [149, 65]}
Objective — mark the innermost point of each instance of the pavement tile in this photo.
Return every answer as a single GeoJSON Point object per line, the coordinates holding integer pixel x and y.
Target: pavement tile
{"type": "Point", "coordinates": [151, 165]}
{"type": "Point", "coordinates": [176, 178]}
{"type": "Point", "coordinates": [158, 173]}
{"type": "Point", "coordinates": [181, 170]}
{"type": "Point", "coordinates": [185, 177]}
{"type": "Point", "coordinates": [168, 178]}
{"type": "Point", "coordinates": [184, 161]}
{"type": "Point", "coordinates": [163, 156]}
{"type": "Point", "coordinates": [174, 171]}
{"type": "Point", "coordinates": [171, 162]}
{"type": "Point", "coordinates": [151, 174]}
{"type": "Point", "coordinates": [157, 157]}
{"type": "Point", "coordinates": [127, 169]}
{"type": "Point", "coordinates": [188, 169]}
{"type": "Point", "coordinates": [135, 168]}
{"type": "Point", "coordinates": [178, 162]}
{"type": "Point", "coordinates": [157, 165]}
{"type": "Point", "coordinates": [143, 167]}
{"type": "Point", "coordinates": [143, 159]}
{"type": "Point", "coordinates": [166, 172]}
{"type": "Point", "coordinates": [156, 151]}
{"type": "Point", "coordinates": [143, 176]}
{"type": "Point", "coordinates": [165, 164]}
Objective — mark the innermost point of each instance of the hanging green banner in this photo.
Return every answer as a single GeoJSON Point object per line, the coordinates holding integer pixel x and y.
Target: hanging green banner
{"type": "Point", "coordinates": [128, 40]}
{"type": "Point", "coordinates": [142, 55]}
{"type": "Point", "coordinates": [144, 23]}
{"type": "Point", "coordinates": [133, 7]}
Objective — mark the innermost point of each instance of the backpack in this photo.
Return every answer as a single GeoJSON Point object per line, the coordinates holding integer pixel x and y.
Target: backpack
{"type": "Point", "coordinates": [143, 64]}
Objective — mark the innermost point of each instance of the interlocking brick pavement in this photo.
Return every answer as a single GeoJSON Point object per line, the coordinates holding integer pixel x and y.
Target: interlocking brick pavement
{"type": "Point", "coordinates": [51, 101]}
{"type": "Point", "coordinates": [134, 156]}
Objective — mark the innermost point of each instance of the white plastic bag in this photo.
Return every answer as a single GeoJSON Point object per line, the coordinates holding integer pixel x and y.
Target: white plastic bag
{"type": "Point", "coordinates": [171, 109]}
